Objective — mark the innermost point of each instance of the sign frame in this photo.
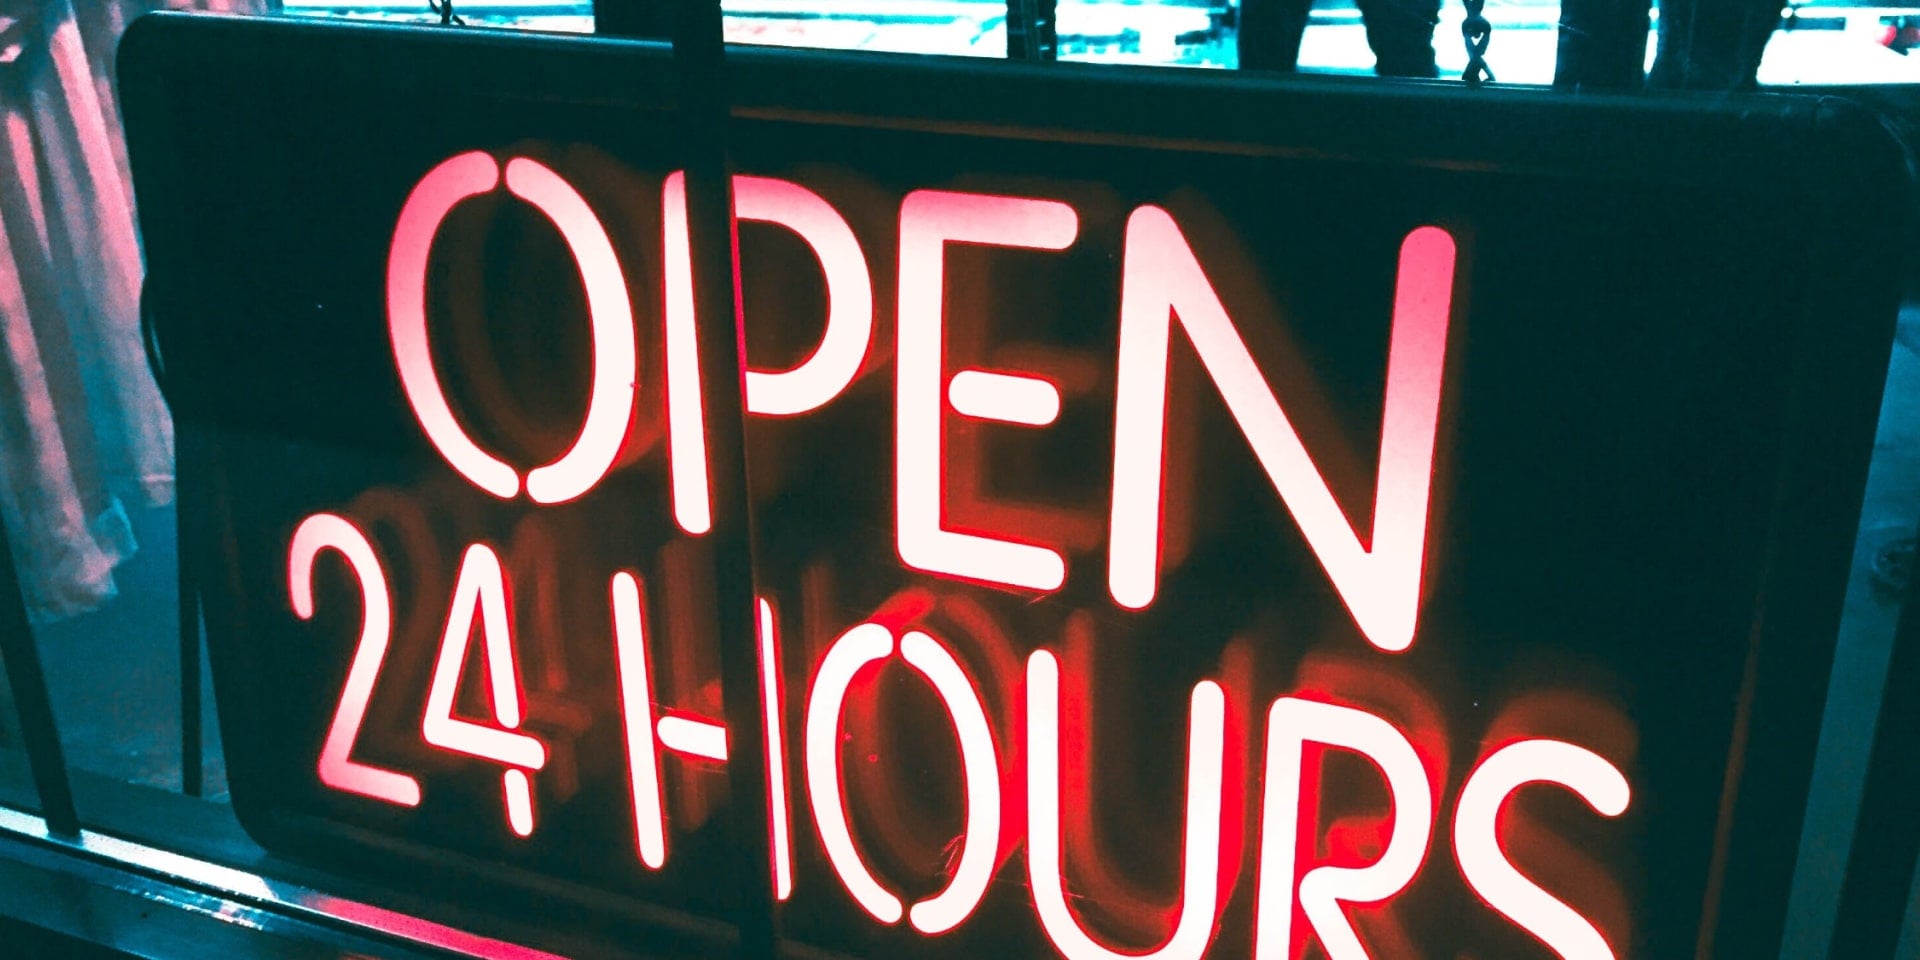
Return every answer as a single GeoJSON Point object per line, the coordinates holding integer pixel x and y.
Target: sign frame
{"type": "Point", "coordinates": [1826, 154]}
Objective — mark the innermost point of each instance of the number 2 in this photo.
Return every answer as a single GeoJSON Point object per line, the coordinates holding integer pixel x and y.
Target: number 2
{"type": "Point", "coordinates": [326, 531]}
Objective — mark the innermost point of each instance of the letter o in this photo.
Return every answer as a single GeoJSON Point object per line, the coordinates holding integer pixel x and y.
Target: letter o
{"type": "Point", "coordinates": [615, 364]}
{"type": "Point", "coordinates": [855, 649]}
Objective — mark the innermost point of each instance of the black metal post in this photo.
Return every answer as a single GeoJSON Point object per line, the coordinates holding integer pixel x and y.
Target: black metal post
{"type": "Point", "coordinates": [29, 682]}
{"type": "Point", "coordinates": [192, 738]}
{"type": "Point", "coordinates": [644, 19]}
{"type": "Point", "coordinates": [1031, 34]}
{"type": "Point", "coordinates": [192, 773]}
{"type": "Point", "coordinates": [699, 53]}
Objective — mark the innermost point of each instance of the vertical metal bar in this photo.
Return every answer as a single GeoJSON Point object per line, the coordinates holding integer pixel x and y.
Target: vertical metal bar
{"type": "Point", "coordinates": [29, 683]}
{"type": "Point", "coordinates": [699, 53]}
{"type": "Point", "coordinates": [1031, 34]}
{"type": "Point", "coordinates": [192, 739]}
{"type": "Point", "coordinates": [192, 772]}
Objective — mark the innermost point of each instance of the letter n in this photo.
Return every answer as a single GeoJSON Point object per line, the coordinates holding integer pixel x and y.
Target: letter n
{"type": "Point", "coordinates": [1162, 281]}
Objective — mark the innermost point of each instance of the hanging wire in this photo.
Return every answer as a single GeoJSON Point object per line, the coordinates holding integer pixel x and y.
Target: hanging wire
{"type": "Point", "coordinates": [1478, 33]}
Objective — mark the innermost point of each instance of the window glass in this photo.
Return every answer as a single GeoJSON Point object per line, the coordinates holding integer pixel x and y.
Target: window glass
{"type": "Point", "coordinates": [1522, 50]}
{"type": "Point", "coordinates": [1194, 33]}
{"type": "Point", "coordinates": [85, 439]}
{"type": "Point", "coordinates": [113, 671]}
{"type": "Point", "coordinates": [1821, 42]}
{"type": "Point", "coordinates": [86, 467]}
{"type": "Point", "coordinates": [1882, 564]}
{"type": "Point", "coordinates": [969, 28]}
{"type": "Point", "coordinates": [560, 16]}
{"type": "Point", "coordinates": [1843, 42]}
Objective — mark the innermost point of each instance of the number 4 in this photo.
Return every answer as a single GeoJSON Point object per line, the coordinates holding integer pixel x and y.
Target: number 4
{"type": "Point", "coordinates": [482, 591]}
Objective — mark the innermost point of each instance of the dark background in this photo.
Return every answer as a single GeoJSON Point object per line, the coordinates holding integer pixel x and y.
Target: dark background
{"type": "Point", "coordinates": [1620, 442]}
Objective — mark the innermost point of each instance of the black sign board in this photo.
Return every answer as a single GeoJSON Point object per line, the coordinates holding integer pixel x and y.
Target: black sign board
{"type": "Point", "coordinates": [1195, 516]}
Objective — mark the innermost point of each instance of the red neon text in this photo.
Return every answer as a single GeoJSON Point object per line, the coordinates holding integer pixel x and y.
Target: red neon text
{"type": "Point", "coordinates": [326, 531]}
{"type": "Point", "coordinates": [929, 220]}
{"type": "Point", "coordinates": [807, 386]}
{"type": "Point", "coordinates": [1162, 281]}
{"type": "Point", "coordinates": [1486, 867]}
{"type": "Point", "coordinates": [615, 376]}
{"type": "Point", "coordinates": [482, 590]}
{"type": "Point", "coordinates": [1020, 769]}
{"type": "Point", "coordinates": [481, 599]}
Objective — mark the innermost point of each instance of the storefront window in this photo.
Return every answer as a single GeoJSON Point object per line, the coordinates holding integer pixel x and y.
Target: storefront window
{"type": "Point", "coordinates": [1824, 42]}
{"type": "Point", "coordinates": [560, 16]}
{"type": "Point", "coordinates": [87, 469]}
{"type": "Point", "coordinates": [114, 672]}
{"type": "Point", "coordinates": [86, 460]}
{"type": "Point", "coordinates": [1881, 572]}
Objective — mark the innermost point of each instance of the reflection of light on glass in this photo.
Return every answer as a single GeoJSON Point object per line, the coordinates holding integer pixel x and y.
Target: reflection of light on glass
{"type": "Point", "coordinates": [482, 589]}
{"type": "Point", "coordinates": [636, 713]}
{"type": "Point", "coordinates": [166, 862]}
{"type": "Point", "coordinates": [251, 886]}
{"type": "Point", "coordinates": [843, 345]}
{"type": "Point", "coordinates": [1486, 867]}
{"type": "Point", "coordinates": [697, 738]}
{"type": "Point", "coordinates": [326, 531]}
{"type": "Point", "coordinates": [1291, 723]}
{"type": "Point", "coordinates": [929, 220]}
{"type": "Point", "coordinates": [947, 909]}
{"type": "Point", "coordinates": [776, 753]}
{"type": "Point", "coordinates": [1162, 280]}
{"type": "Point", "coordinates": [1206, 750]}
{"type": "Point", "coordinates": [615, 368]}
{"type": "Point", "coordinates": [855, 649]}
{"type": "Point", "coordinates": [420, 931]}
{"type": "Point", "coordinates": [239, 915]}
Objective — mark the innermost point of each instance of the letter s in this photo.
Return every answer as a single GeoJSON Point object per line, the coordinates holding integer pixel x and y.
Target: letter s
{"type": "Point", "coordinates": [1487, 869]}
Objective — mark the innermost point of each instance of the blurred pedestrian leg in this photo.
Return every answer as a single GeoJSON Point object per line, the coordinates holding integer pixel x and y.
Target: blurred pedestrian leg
{"type": "Point", "coordinates": [1713, 44]}
{"type": "Point", "coordinates": [1603, 45]}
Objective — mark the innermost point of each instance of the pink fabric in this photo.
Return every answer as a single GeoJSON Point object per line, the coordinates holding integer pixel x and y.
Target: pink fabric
{"type": "Point", "coordinates": [83, 430]}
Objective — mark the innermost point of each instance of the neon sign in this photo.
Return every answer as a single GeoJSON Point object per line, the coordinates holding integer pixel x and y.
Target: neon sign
{"type": "Point", "coordinates": [1165, 548]}
{"type": "Point", "coordinates": [1163, 281]}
